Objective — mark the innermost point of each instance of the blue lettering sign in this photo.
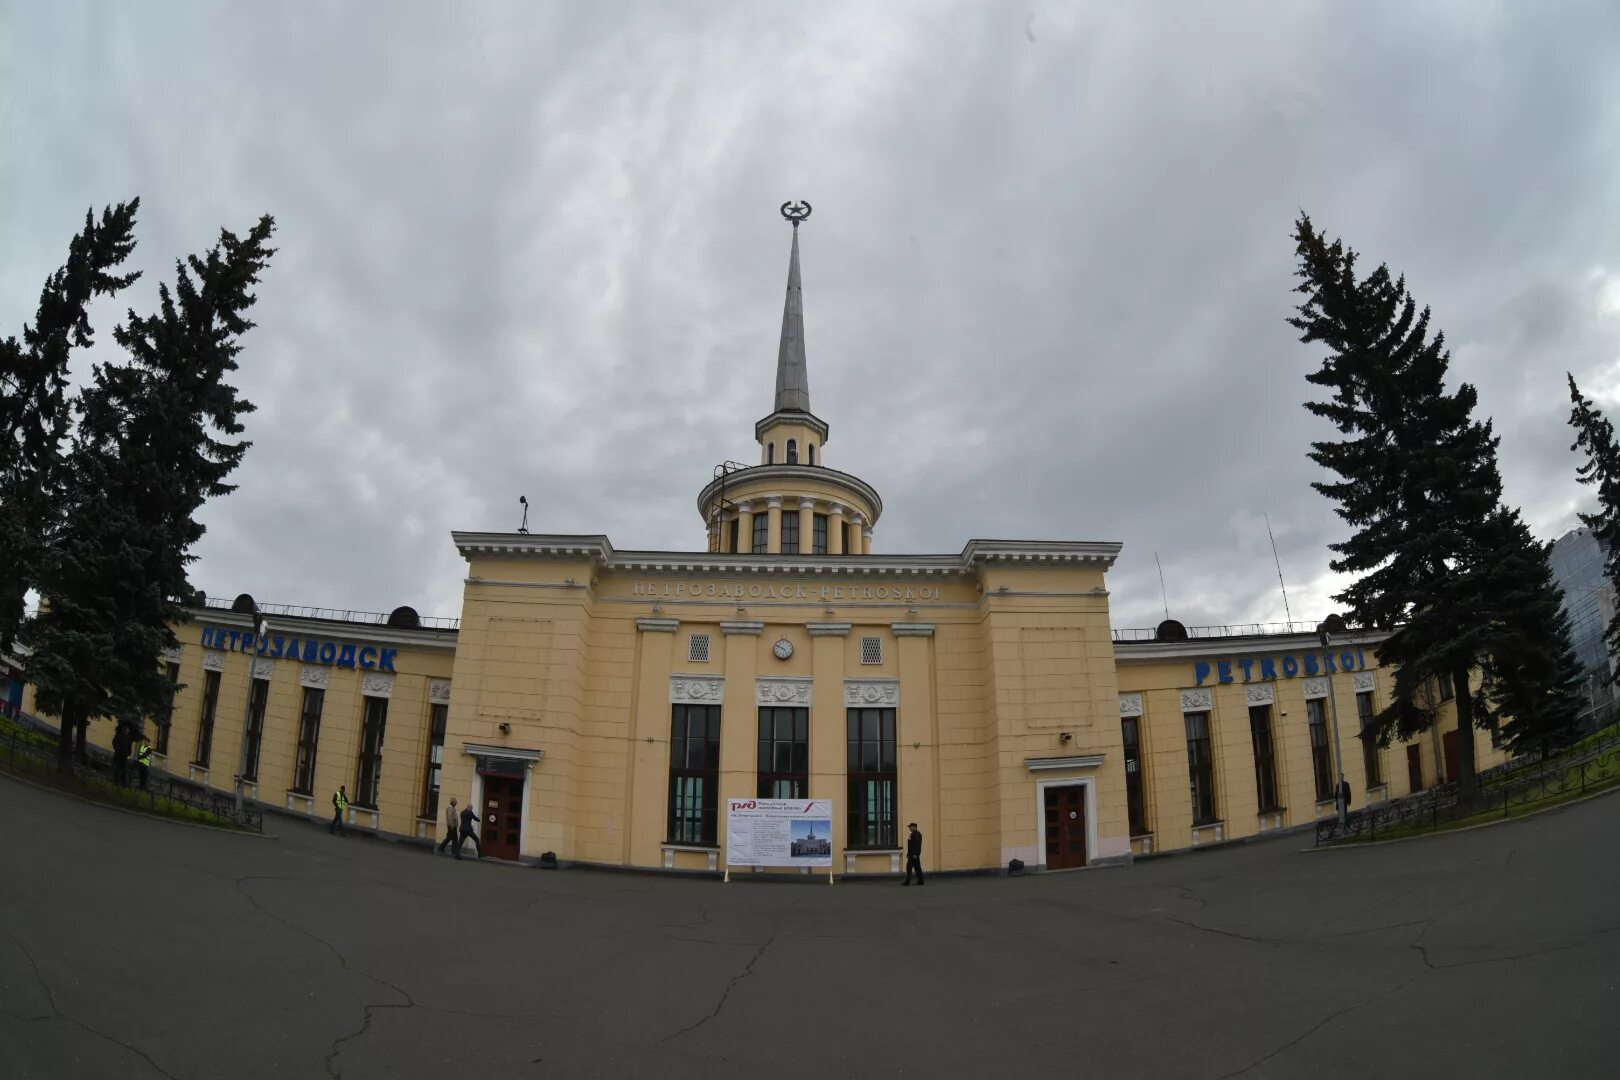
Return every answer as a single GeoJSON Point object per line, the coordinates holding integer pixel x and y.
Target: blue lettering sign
{"type": "Point", "coordinates": [1247, 664]}
{"type": "Point", "coordinates": [280, 644]}
{"type": "Point", "coordinates": [386, 663]}
{"type": "Point", "coordinates": [1200, 672]}
{"type": "Point", "coordinates": [1223, 668]}
{"type": "Point", "coordinates": [1268, 668]}
{"type": "Point", "coordinates": [1311, 667]}
{"type": "Point", "coordinates": [368, 662]}
{"type": "Point", "coordinates": [1327, 663]}
{"type": "Point", "coordinates": [309, 650]}
{"type": "Point", "coordinates": [235, 638]}
{"type": "Point", "coordinates": [328, 652]}
{"type": "Point", "coordinates": [1290, 666]}
{"type": "Point", "coordinates": [1347, 660]}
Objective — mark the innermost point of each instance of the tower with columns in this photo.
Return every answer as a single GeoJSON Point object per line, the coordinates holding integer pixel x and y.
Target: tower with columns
{"type": "Point", "coordinates": [791, 502]}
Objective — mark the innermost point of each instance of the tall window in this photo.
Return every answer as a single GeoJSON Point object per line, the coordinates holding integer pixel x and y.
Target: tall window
{"type": "Point", "coordinates": [435, 762]}
{"type": "Point", "coordinates": [257, 697]}
{"type": "Point", "coordinates": [371, 742]}
{"type": "Point", "coordinates": [784, 753]}
{"type": "Point", "coordinates": [1265, 765]}
{"type": "Point", "coordinates": [1369, 740]}
{"type": "Point", "coordinates": [871, 778]}
{"type": "Point", "coordinates": [162, 746]}
{"type": "Point", "coordinates": [1200, 768]}
{"type": "Point", "coordinates": [309, 733]}
{"type": "Point", "coordinates": [810, 448]}
{"type": "Point", "coordinates": [818, 536]}
{"type": "Point", "coordinates": [205, 730]}
{"type": "Point", "coordinates": [793, 452]}
{"type": "Point", "coordinates": [1321, 761]}
{"type": "Point", "coordinates": [1447, 691]}
{"type": "Point", "coordinates": [694, 774]}
{"type": "Point", "coordinates": [770, 453]}
{"type": "Point", "coordinates": [790, 533]}
{"type": "Point", "coordinates": [1135, 802]}
{"type": "Point", "coordinates": [735, 529]}
{"type": "Point", "coordinates": [762, 533]}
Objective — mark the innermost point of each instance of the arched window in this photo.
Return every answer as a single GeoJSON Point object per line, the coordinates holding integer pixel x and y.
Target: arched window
{"type": "Point", "coordinates": [811, 449]}
{"type": "Point", "coordinates": [770, 453]}
{"type": "Point", "coordinates": [793, 452]}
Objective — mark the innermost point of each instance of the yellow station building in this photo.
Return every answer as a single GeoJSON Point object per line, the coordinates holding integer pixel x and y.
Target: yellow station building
{"type": "Point", "coordinates": [603, 704]}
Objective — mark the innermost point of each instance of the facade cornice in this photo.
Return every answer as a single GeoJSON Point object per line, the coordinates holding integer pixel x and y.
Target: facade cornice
{"type": "Point", "coordinates": [782, 417]}
{"type": "Point", "coordinates": [788, 475]}
{"type": "Point", "coordinates": [1252, 644]}
{"type": "Point", "coordinates": [290, 625]}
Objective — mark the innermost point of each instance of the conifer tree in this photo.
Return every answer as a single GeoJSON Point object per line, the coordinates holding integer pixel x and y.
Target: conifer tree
{"type": "Point", "coordinates": [34, 406]}
{"type": "Point", "coordinates": [1594, 435]}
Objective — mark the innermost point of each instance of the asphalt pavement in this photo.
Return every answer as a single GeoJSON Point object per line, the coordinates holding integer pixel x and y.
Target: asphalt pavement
{"type": "Point", "coordinates": [138, 948]}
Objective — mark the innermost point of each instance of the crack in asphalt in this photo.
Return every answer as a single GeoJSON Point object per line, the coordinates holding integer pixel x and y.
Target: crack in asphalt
{"type": "Point", "coordinates": [725, 994]}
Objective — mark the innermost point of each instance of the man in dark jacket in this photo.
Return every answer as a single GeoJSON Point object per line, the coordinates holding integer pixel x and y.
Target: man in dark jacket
{"type": "Point", "coordinates": [122, 744]}
{"type": "Point", "coordinates": [913, 854]}
{"type": "Point", "coordinates": [468, 818]}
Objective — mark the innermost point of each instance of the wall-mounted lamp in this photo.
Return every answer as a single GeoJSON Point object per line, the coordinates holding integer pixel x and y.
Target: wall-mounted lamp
{"type": "Point", "coordinates": [506, 729]}
{"type": "Point", "coordinates": [1065, 738]}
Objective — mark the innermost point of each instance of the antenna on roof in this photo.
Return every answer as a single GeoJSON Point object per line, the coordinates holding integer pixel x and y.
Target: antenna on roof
{"type": "Point", "coordinates": [524, 527]}
{"type": "Point", "coordinates": [1162, 594]}
{"type": "Point", "coordinates": [1274, 558]}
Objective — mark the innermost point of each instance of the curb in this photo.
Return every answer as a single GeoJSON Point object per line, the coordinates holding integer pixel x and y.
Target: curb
{"type": "Point", "coordinates": [133, 813]}
{"type": "Point", "coordinates": [1358, 844]}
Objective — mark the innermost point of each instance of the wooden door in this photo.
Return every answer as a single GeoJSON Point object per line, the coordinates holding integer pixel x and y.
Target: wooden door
{"type": "Point", "coordinates": [1414, 767]}
{"type": "Point", "coordinates": [1065, 827]}
{"type": "Point", "coordinates": [1453, 747]}
{"type": "Point", "coordinates": [501, 824]}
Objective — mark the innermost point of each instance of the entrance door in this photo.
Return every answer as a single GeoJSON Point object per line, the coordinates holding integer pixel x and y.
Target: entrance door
{"type": "Point", "coordinates": [502, 819]}
{"type": "Point", "coordinates": [1065, 827]}
{"type": "Point", "coordinates": [1414, 767]}
{"type": "Point", "coordinates": [1453, 746]}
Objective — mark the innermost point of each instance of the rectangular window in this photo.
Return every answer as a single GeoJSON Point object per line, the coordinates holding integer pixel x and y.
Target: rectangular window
{"type": "Point", "coordinates": [162, 746]}
{"type": "Point", "coordinates": [205, 730]}
{"type": "Point", "coordinates": [371, 743]}
{"type": "Point", "coordinates": [1321, 760]}
{"type": "Point", "coordinates": [1265, 765]}
{"type": "Point", "coordinates": [1447, 691]}
{"type": "Point", "coordinates": [790, 532]}
{"type": "Point", "coordinates": [871, 778]}
{"type": "Point", "coordinates": [1200, 768]}
{"type": "Point", "coordinates": [818, 539]}
{"type": "Point", "coordinates": [1369, 740]}
{"type": "Point", "coordinates": [694, 774]}
{"type": "Point", "coordinates": [784, 753]}
{"type": "Point", "coordinates": [762, 532]}
{"type": "Point", "coordinates": [257, 697]}
{"type": "Point", "coordinates": [1135, 801]}
{"type": "Point", "coordinates": [697, 649]}
{"type": "Point", "coordinates": [736, 534]}
{"type": "Point", "coordinates": [871, 650]}
{"type": "Point", "coordinates": [435, 761]}
{"type": "Point", "coordinates": [309, 733]}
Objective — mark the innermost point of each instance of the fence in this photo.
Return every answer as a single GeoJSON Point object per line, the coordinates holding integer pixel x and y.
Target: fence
{"type": "Point", "coordinates": [1592, 764]}
{"type": "Point", "coordinates": [30, 746]}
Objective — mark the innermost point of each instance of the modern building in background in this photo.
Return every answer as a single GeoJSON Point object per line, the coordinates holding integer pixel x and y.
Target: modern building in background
{"type": "Point", "coordinates": [1577, 565]}
{"type": "Point", "coordinates": [603, 703]}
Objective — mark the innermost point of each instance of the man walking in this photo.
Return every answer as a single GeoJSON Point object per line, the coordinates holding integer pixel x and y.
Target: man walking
{"type": "Point", "coordinates": [450, 826]}
{"type": "Point", "coordinates": [340, 806]}
{"type": "Point", "coordinates": [121, 746]}
{"type": "Point", "coordinates": [143, 760]}
{"type": "Point", "coordinates": [913, 854]}
{"type": "Point", "coordinates": [469, 833]}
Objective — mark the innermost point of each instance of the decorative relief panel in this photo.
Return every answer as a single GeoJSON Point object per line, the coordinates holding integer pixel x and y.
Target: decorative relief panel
{"type": "Point", "coordinates": [439, 691]}
{"type": "Point", "coordinates": [377, 684]}
{"type": "Point", "coordinates": [782, 691]}
{"type": "Point", "coordinates": [1201, 699]}
{"type": "Point", "coordinates": [1366, 681]}
{"type": "Point", "coordinates": [871, 693]}
{"type": "Point", "coordinates": [1130, 704]}
{"type": "Point", "coordinates": [1260, 694]}
{"type": "Point", "coordinates": [171, 655]}
{"type": "Point", "coordinates": [696, 689]}
{"type": "Point", "coordinates": [313, 678]}
{"type": "Point", "coordinates": [1316, 688]}
{"type": "Point", "coordinates": [213, 660]}
{"type": "Point", "coordinates": [263, 667]}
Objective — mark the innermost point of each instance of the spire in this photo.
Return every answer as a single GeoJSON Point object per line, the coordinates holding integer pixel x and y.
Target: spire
{"type": "Point", "coordinates": [792, 377]}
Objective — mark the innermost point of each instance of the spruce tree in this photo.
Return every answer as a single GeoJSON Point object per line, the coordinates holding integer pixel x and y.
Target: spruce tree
{"type": "Point", "coordinates": [155, 440]}
{"type": "Point", "coordinates": [34, 406]}
{"type": "Point", "coordinates": [1594, 436]}
{"type": "Point", "coordinates": [1417, 480]}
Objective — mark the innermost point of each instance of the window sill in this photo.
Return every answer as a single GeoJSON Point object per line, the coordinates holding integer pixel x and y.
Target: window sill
{"type": "Point", "coordinates": [1210, 824]}
{"type": "Point", "coordinates": [1273, 810]}
{"type": "Point", "coordinates": [301, 794]}
{"type": "Point", "coordinates": [711, 851]}
{"type": "Point", "coordinates": [875, 850]}
{"type": "Point", "coordinates": [675, 845]}
{"type": "Point", "coordinates": [1145, 834]}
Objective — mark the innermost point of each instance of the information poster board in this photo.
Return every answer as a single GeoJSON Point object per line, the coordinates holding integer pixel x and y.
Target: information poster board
{"type": "Point", "coordinates": [779, 832]}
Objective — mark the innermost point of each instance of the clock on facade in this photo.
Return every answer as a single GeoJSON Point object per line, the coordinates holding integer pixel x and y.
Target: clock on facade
{"type": "Point", "coordinates": [783, 648]}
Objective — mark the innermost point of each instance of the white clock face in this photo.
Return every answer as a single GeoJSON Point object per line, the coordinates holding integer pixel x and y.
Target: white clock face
{"type": "Point", "coordinates": [783, 649]}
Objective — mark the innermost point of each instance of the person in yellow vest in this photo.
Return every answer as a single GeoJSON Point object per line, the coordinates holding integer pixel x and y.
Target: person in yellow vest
{"type": "Point", "coordinates": [143, 759]}
{"type": "Point", "coordinates": [340, 806]}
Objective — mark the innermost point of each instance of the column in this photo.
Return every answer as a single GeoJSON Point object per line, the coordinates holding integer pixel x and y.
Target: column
{"type": "Point", "coordinates": [866, 540]}
{"type": "Point", "coordinates": [774, 543]}
{"type": "Point", "coordinates": [835, 529]}
{"type": "Point", "coordinates": [829, 745]}
{"type": "Point", "coordinates": [855, 523]}
{"type": "Point", "coordinates": [918, 723]}
{"type": "Point", "coordinates": [745, 527]}
{"type": "Point", "coordinates": [807, 525]}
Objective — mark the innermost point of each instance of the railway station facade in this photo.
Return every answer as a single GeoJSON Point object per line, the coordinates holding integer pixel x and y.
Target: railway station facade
{"type": "Point", "coordinates": [603, 704]}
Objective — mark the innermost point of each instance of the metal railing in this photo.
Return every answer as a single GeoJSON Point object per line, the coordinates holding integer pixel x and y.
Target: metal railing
{"type": "Point", "coordinates": [368, 618]}
{"type": "Point", "coordinates": [1139, 634]}
{"type": "Point", "coordinates": [30, 745]}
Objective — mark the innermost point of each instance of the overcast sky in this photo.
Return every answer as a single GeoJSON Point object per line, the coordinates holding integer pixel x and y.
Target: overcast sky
{"type": "Point", "coordinates": [535, 249]}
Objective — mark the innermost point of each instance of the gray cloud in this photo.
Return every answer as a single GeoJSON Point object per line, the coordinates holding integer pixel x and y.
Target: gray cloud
{"type": "Point", "coordinates": [536, 252]}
